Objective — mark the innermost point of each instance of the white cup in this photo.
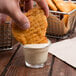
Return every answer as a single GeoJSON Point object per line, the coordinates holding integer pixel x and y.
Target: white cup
{"type": "Point", "coordinates": [36, 54]}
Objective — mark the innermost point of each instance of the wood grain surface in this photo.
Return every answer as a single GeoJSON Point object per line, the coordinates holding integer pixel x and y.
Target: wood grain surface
{"type": "Point", "coordinates": [62, 69]}
{"type": "Point", "coordinates": [6, 56]}
{"type": "Point", "coordinates": [12, 64]}
{"type": "Point", "coordinates": [18, 68]}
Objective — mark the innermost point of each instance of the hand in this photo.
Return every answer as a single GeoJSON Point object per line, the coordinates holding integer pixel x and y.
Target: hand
{"type": "Point", "coordinates": [12, 8]}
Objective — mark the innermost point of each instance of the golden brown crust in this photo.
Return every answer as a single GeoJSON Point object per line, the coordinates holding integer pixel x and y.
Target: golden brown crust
{"type": "Point", "coordinates": [36, 33]}
{"type": "Point", "coordinates": [51, 5]}
{"type": "Point", "coordinates": [63, 6]}
{"type": "Point", "coordinates": [73, 6]}
{"type": "Point", "coordinates": [65, 19]}
{"type": "Point", "coordinates": [56, 26]}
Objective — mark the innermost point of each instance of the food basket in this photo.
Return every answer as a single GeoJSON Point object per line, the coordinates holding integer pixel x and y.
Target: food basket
{"type": "Point", "coordinates": [5, 34]}
{"type": "Point", "coordinates": [71, 23]}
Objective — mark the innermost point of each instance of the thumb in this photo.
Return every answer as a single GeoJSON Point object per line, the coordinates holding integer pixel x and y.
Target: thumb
{"type": "Point", "coordinates": [19, 18]}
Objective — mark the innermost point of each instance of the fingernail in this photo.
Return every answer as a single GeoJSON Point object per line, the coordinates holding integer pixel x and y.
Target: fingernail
{"type": "Point", "coordinates": [26, 26]}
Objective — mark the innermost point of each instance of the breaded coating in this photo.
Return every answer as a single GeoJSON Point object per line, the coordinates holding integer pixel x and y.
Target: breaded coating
{"type": "Point", "coordinates": [37, 31]}
{"type": "Point", "coordinates": [57, 26]}
{"type": "Point", "coordinates": [51, 5]}
{"type": "Point", "coordinates": [63, 6]}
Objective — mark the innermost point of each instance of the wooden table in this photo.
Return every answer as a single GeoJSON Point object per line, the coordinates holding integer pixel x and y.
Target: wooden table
{"type": "Point", "coordinates": [12, 64]}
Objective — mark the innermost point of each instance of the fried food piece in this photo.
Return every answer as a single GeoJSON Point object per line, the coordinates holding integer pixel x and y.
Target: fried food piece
{"type": "Point", "coordinates": [37, 31]}
{"type": "Point", "coordinates": [56, 26]}
{"type": "Point", "coordinates": [73, 6]}
{"type": "Point", "coordinates": [65, 19]}
{"type": "Point", "coordinates": [63, 6]}
{"type": "Point", "coordinates": [51, 5]}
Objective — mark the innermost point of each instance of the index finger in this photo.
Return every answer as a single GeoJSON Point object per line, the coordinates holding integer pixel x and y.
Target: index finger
{"type": "Point", "coordinates": [44, 6]}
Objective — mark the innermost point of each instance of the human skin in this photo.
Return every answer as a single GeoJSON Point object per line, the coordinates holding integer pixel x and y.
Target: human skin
{"type": "Point", "coordinates": [12, 8]}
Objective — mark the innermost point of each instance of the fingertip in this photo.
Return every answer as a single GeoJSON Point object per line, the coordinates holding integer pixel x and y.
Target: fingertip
{"type": "Point", "coordinates": [25, 26]}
